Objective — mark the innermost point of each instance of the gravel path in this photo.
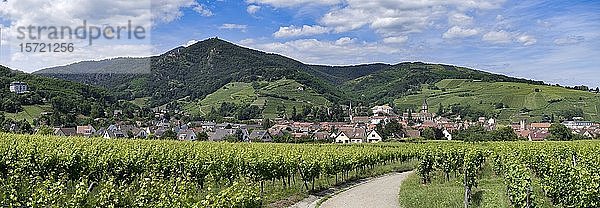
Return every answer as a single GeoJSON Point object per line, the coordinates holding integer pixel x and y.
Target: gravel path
{"type": "Point", "coordinates": [380, 192]}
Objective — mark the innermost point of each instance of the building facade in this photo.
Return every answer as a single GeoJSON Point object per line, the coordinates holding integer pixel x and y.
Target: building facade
{"type": "Point", "coordinates": [18, 87]}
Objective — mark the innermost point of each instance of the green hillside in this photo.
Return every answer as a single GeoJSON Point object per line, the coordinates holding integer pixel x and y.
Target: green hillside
{"type": "Point", "coordinates": [267, 95]}
{"type": "Point", "coordinates": [65, 99]}
{"type": "Point", "coordinates": [108, 66]}
{"type": "Point", "coordinates": [29, 113]}
{"type": "Point", "coordinates": [341, 74]}
{"type": "Point", "coordinates": [509, 101]}
{"type": "Point", "coordinates": [235, 92]}
{"type": "Point", "coordinates": [403, 79]}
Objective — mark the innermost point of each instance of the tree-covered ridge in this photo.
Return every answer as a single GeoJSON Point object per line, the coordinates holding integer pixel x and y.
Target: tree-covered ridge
{"type": "Point", "coordinates": [405, 78]}
{"type": "Point", "coordinates": [107, 66]}
{"type": "Point", "coordinates": [341, 74]}
{"type": "Point", "coordinates": [65, 99]}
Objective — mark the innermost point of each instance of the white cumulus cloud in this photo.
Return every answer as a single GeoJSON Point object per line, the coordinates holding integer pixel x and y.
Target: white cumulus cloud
{"type": "Point", "coordinates": [460, 19]}
{"type": "Point", "coordinates": [396, 40]}
{"type": "Point", "coordinates": [526, 40]}
{"type": "Point", "coordinates": [459, 32]}
{"type": "Point", "coordinates": [294, 3]}
{"type": "Point", "coordinates": [498, 37]}
{"type": "Point", "coordinates": [570, 40]}
{"type": "Point", "coordinates": [252, 9]}
{"type": "Point", "coordinates": [229, 26]}
{"type": "Point", "coordinates": [203, 10]}
{"type": "Point", "coordinates": [390, 18]}
{"type": "Point", "coordinates": [342, 51]}
{"type": "Point", "coordinates": [293, 31]}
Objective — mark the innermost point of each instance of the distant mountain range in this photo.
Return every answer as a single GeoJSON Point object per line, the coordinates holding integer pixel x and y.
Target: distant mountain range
{"type": "Point", "coordinates": [200, 69]}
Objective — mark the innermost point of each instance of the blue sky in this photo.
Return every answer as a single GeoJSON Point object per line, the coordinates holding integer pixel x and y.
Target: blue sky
{"type": "Point", "coordinates": [553, 41]}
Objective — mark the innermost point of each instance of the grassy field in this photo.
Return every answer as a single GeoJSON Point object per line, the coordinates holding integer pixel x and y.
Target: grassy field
{"type": "Point", "coordinates": [141, 102]}
{"type": "Point", "coordinates": [491, 192]}
{"type": "Point", "coordinates": [235, 92]}
{"type": "Point", "coordinates": [29, 113]}
{"type": "Point", "coordinates": [288, 93]}
{"type": "Point", "coordinates": [540, 99]}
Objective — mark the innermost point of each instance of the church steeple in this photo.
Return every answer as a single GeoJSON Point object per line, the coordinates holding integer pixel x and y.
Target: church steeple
{"type": "Point", "coordinates": [424, 107]}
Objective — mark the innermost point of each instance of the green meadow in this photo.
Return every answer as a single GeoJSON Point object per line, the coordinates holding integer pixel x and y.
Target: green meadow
{"type": "Point", "coordinates": [29, 113]}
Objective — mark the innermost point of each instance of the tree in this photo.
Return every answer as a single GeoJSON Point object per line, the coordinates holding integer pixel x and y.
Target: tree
{"type": "Point", "coordinates": [570, 113]}
{"type": "Point", "coordinates": [249, 112]}
{"type": "Point", "coordinates": [559, 132]}
{"type": "Point", "coordinates": [281, 111]}
{"type": "Point", "coordinates": [231, 138]}
{"type": "Point", "coordinates": [440, 110]}
{"type": "Point", "coordinates": [474, 133]}
{"type": "Point", "coordinates": [499, 105]}
{"type": "Point", "coordinates": [151, 136]}
{"type": "Point", "coordinates": [379, 128]}
{"type": "Point", "coordinates": [97, 112]}
{"type": "Point", "coordinates": [169, 135]}
{"type": "Point", "coordinates": [202, 136]}
{"type": "Point", "coordinates": [428, 133]}
{"type": "Point", "coordinates": [393, 129]}
{"type": "Point", "coordinates": [294, 113]}
{"type": "Point", "coordinates": [504, 134]}
{"type": "Point", "coordinates": [45, 130]}
{"type": "Point", "coordinates": [267, 123]}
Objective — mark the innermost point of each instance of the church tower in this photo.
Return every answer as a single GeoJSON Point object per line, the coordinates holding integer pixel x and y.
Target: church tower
{"type": "Point", "coordinates": [424, 107]}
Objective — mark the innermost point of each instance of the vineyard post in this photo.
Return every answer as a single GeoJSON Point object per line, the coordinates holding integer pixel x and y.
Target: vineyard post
{"type": "Point", "coordinates": [262, 187]}
{"type": "Point", "coordinates": [303, 178]}
{"type": "Point", "coordinates": [529, 196]}
{"type": "Point", "coordinates": [467, 192]}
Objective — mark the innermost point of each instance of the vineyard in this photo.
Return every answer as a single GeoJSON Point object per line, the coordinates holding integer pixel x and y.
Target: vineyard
{"type": "Point", "coordinates": [39, 171]}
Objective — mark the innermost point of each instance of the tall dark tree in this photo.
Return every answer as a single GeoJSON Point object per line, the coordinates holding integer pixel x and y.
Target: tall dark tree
{"type": "Point", "coordinates": [169, 135]}
{"type": "Point", "coordinates": [559, 132]}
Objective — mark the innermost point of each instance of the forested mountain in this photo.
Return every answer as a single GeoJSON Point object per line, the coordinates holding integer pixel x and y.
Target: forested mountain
{"type": "Point", "coordinates": [193, 72]}
{"type": "Point", "coordinates": [107, 66]}
{"type": "Point", "coordinates": [341, 74]}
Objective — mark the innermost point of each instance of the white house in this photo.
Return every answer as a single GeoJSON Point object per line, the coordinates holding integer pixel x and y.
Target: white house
{"type": "Point", "coordinates": [382, 109]}
{"type": "Point", "coordinates": [188, 135]}
{"type": "Point", "coordinates": [351, 135]}
{"type": "Point", "coordinates": [18, 87]}
{"type": "Point", "coordinates": [113, 134]}
{"type": "Point", "coordinates": [447, 135]}
{"type": "Point", "coordinates": [578, 124]}
{"type": "Point", "coordinates": [342, 138]}
{"type": "Point", "coordinates": [86, 131]}
{"type": "Point", "coordinates": [142, 133]}
{"type": "Point", "coordinates": [374, 137]}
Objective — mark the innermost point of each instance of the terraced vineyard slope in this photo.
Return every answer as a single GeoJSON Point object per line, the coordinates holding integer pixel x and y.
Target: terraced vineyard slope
{"type": "Point", "coordinates": [509, 101]}
{"type": "Point", "coordinates": [270, 96]}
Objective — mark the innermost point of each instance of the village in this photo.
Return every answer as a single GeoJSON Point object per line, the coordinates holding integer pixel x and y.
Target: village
{"type": "Point", "coordinates": [357, 129]}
